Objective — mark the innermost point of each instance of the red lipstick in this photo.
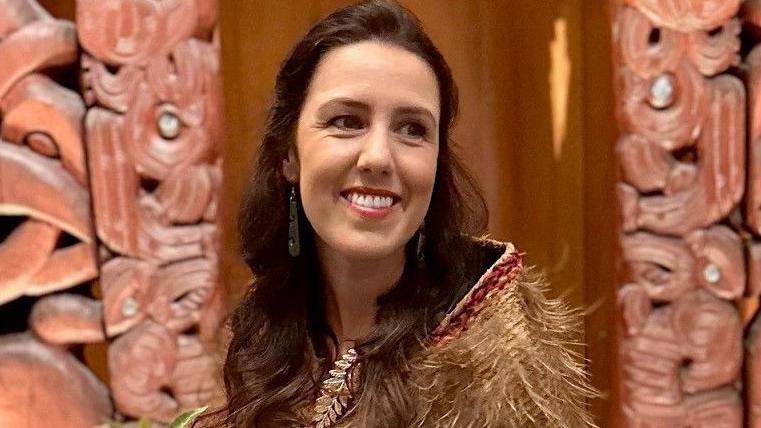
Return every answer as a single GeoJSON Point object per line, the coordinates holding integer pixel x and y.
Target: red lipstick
{"type": "Point", "coordinates": [370, 212]}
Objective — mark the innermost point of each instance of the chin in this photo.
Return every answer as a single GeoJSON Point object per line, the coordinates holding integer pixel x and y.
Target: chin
{"type": "Point", "coordinates": [373, 252]}
{"type": "Point", "coordinates": [367, 248]}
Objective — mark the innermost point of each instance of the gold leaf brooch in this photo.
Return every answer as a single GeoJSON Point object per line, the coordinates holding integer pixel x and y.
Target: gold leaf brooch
{"type": "Point", "coordinates": [337, 391]}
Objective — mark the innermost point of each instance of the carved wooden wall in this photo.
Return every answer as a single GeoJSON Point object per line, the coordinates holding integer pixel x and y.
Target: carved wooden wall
{"type": "Point", "coordinates": [111, 193]}
{"type": "Point", "coordinates": [689, 204]}
{"type": "Point", "coordinates": [49, 244]}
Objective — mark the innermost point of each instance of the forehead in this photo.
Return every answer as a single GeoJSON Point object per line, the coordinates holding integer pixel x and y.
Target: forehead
{"type": "Point", "coordinates": [375, 71]}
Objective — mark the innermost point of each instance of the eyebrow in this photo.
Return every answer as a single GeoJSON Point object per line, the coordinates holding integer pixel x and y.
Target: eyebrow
{"type": "Point", "coordinates": [352, 103]}
{"type": "Point", "coordinates": [346, 102]}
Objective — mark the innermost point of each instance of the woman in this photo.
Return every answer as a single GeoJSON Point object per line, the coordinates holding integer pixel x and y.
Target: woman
{"type": "Point", "coordinates": [372, 306]}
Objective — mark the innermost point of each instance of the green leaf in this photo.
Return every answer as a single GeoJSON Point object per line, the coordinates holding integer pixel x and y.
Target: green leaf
{"type": "Point", "coordinates": [187, 418]}
{"type": "Point", "coordinates": [144, 423]}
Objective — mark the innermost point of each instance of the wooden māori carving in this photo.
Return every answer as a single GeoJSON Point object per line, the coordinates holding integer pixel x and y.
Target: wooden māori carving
{"type": "Point", "coordinates": [151, 82]}
{"type": "Point", "coordinates": [689, 214]}
{"type": "Point", "coordinates": [119, 184]}
{"type": "Point", "coordinates": [47, 243]}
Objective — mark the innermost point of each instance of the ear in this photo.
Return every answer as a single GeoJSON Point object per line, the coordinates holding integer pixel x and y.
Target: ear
{"type": "Point", "coordinates": [291, 167]}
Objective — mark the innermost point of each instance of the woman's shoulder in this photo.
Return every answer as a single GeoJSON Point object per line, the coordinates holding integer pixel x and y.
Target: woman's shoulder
{"type": "Point", "coordinates": [503, 353]}
{"type": "Point", "coordinates": [496, 266]}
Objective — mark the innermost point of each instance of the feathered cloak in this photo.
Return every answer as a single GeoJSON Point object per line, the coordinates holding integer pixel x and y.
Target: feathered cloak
{"type": "Point", "coordinates": [502, 357]}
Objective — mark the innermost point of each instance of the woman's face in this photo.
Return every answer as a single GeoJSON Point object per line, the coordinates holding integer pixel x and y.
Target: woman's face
{"type": "Point", "coordinates": [367, 142]}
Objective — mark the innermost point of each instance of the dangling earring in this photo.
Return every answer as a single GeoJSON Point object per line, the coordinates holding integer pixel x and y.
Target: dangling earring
{"type": "Point", "coordinates": [294, 243]}
{"type": "Point", "coordinates": [419, 251]}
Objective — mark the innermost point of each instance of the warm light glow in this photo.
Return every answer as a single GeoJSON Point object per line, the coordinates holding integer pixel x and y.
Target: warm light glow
{"type": "Point", "coordinates": [560, 79]}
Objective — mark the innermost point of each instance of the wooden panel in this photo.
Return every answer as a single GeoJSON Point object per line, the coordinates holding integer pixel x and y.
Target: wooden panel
{"type": "Point", "coordinates": [599, 212]}
{"type": "Point", "coordinates": [256, 36]}
{"type": "Point", "coordinates": [539, 200]}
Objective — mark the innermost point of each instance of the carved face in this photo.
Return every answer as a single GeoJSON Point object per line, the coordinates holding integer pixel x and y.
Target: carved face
{"type": "Point", "coordinates": [367, 143]}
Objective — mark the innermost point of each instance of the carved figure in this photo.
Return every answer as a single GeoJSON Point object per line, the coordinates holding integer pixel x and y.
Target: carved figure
{"type": "Point", "coordinates": [47, 242]}
{"type": "Point", "coordinates": [141, 149]}
{"type": "Point", "coordinates": [151, 76]}
{"type": "Point", "coordinates": [682, 155]}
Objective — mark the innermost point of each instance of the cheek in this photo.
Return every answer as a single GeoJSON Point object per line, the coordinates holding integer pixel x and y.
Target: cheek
{"type": "Point", "coordinates": [315, 179]}
{"type": "Point", "coordinates": [310, 158]}
{"type": "Point", "coordinates": [321, 172]}
{"type": "Point", "coordinates": [420, 172]}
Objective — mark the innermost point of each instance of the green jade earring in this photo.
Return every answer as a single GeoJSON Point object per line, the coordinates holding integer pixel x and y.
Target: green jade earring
{"type": "Point", "coordinates": [294, 243]}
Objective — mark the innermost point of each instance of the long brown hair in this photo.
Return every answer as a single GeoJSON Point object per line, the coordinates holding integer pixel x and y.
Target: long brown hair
{"type": "Point", "coordinates": [279, 328]}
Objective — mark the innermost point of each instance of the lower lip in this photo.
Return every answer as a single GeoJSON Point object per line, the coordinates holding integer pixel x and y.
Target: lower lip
{"type": "Point", "coordinates": [372, 213]}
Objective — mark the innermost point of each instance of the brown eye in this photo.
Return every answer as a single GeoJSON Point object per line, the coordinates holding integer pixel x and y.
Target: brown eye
{"type": "Point", "coordinates": [347, 122]}
{"type": "Point", "coordinates": [413, 130]}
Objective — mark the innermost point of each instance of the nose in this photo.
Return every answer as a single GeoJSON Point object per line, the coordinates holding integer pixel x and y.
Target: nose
{"type": "Point", "coordinates": [375, 156]}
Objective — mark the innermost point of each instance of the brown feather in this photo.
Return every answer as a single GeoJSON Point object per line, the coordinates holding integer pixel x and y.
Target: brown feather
{"type": "Point", "coordinates": [511, 367]}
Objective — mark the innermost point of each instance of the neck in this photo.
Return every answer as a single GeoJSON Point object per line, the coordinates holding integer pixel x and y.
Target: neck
{"type": "Point", "coordinates": [352, 287]}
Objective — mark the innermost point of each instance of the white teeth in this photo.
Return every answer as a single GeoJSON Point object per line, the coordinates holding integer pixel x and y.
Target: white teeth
{"type": "Point", "coordinates": [370, 201]}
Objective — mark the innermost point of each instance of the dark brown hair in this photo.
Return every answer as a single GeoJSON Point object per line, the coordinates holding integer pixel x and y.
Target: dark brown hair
{"type": "Point", "coordinates": [279, 328]}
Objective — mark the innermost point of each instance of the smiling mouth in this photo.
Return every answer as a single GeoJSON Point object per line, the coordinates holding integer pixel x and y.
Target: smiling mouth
{"type": "Point", "coordinates": [377, 199]}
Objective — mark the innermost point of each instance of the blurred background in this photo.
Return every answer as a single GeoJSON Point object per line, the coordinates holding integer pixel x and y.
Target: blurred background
{"type": "Point", "coordinates": [536, 128]}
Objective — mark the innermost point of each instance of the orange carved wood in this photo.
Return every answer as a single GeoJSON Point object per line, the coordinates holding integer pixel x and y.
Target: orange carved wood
{"type": "Point", "coordinates": [47, 242]}
{"type": "Point", "coordinates": [117, 184]}
{"type": "Point", "coordinates": [151, 81]}
{"type": "Point", "coordinates": [752, 216]}
{"type": "Point", "coordinates": [682, 161]}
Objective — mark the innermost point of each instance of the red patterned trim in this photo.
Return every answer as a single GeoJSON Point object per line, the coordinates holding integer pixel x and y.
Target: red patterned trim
{"type": "Point", "coordinates": [497, 278]}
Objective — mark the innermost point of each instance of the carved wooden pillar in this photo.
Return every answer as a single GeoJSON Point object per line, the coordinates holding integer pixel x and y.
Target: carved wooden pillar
{"type": "Point", "coordinates": [682, 158]}
{"type": "Point", "coordinates": [151, 82]}
{"type": "Point", "coordinates": [118, 185]}
{"type": "Point", "coordinates": [47, 244]}
{"type": "Point", "coordinates": [752, 24]}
